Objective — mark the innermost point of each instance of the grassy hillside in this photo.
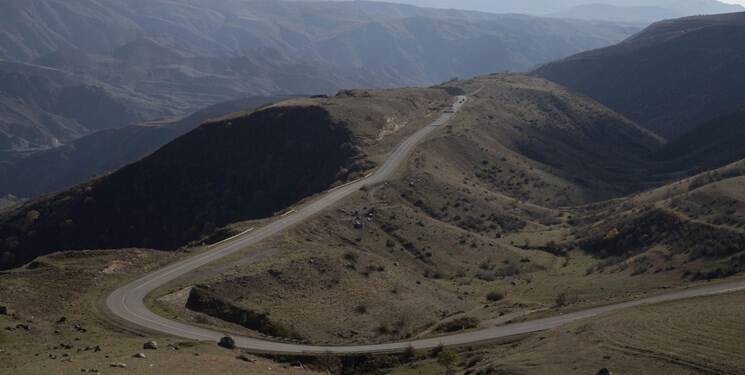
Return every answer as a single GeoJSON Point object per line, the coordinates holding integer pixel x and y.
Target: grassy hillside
{"type": "Point", "coordinates": [669, 78]}
{"type": "Point", "coordinates": [693, 227]}
{"type": "Point", "coordinates": [680, 338]}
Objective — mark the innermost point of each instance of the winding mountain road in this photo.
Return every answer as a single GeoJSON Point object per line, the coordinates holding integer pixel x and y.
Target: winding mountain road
{"type": "Point", "coordinates": [127, 302]}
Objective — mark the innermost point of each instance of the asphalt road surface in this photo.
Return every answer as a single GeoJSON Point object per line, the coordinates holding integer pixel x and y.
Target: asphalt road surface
{"type": "Point", "coordinates": [127, 302]}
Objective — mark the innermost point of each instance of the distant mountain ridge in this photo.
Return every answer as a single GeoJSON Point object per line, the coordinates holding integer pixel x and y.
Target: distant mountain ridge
{"type": "Point", "coordinates": [669, 78]}
{"type": "Point", "coordinates": [608, 12]}
{"type": "Point", "coordinates": [162, 58]}
{"type": "Point", "coordinates": [42, 107]}
{"type": "Point", "coordinates": [636, 10]}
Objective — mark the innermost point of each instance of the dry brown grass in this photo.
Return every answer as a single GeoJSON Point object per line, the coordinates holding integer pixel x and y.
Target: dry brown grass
{"type": "Point", "coordinates": [685, 337]}
{"type": "Point", "coordinates": [72, 286]}
{"type": "Point", "coordinates": [468, 214]}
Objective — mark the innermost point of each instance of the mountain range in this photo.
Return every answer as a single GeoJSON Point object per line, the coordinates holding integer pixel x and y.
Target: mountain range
{"type": "Point", "coordinates": [158, 61]}
{"type": "Point", "coordinates": [642, 77]}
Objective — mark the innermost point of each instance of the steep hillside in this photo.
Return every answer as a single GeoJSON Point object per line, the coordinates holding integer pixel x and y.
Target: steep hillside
{"type": "Point", "coordinates": [234, 169]}
{"type": "Point", "coordinates": [102, 152]}
{"type": "Point", "coordinates": [709, 145]}
{"type": "Point", "coordinates": [550, 131]}
{"type": "Point", "coordinates": [670, 77]}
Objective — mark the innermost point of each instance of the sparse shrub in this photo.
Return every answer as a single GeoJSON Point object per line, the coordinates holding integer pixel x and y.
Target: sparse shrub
{"type": "Point", "coordinates": [436, 351]}
{"type": "Point", "coordinates": [447, 358]}
{"type": "Point", "coordinates": [612, 234]}
{"type": "Point", "coordinates": [459, 324]}
{"type": "Point", "coordinates": [472, 362]}
{"type": "Point", "coordinates": [495, 296]}
{"type": "Point", "coordinates": [409, 355]}
{"type": "Point", "coordinates": [491, 370]}
{"type": "Point", "coordinates": [383, 330]}
{"type": "Point", "coordinates": [508, 270]}
{"type": "Point", "coordinates": [227, 342]}
{"type": "Point", "coordinates": [565, 299]}
{"type": "Point", "coordinates": [350, 257]}
{"type": "Point", "coordinates": [433, 274]}
{"type": "Point", "coordinates": [487, 276]}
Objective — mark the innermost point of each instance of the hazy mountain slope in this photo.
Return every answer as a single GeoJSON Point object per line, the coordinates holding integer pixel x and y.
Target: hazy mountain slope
{"type": "Point", "coordinates": [180, 56]}
{"type": "Point", "coordinates": [383, 52]}
{"type": "Point", "coordinates": [32, 28]}
{"type": "Point", "coordinates": [102, 152]}
{"type": "Point", "coordinates": [207, 27]}
{"type": "Point", "coordinates": [41, 107]}
{"type": "Point", "coordinates": [295, 31]}
{"type": "Point", "coordinates": [668, 78]}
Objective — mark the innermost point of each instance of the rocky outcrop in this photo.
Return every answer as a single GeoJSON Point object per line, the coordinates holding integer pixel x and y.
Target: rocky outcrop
{"type": "Point", "coordinates": [203, 301]}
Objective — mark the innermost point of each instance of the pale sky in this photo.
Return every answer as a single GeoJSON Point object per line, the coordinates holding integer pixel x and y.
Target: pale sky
{"type": "Point", "coordinates": [741, 2]}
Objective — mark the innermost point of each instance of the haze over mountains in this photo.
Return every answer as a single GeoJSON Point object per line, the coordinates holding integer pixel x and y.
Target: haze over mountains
{"type": "Point", "coordinates": [641, 11]}
{"type": "Point", "coordinates": [153, 59]}
{"type": "Point", "coordinates": [156, 61]}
